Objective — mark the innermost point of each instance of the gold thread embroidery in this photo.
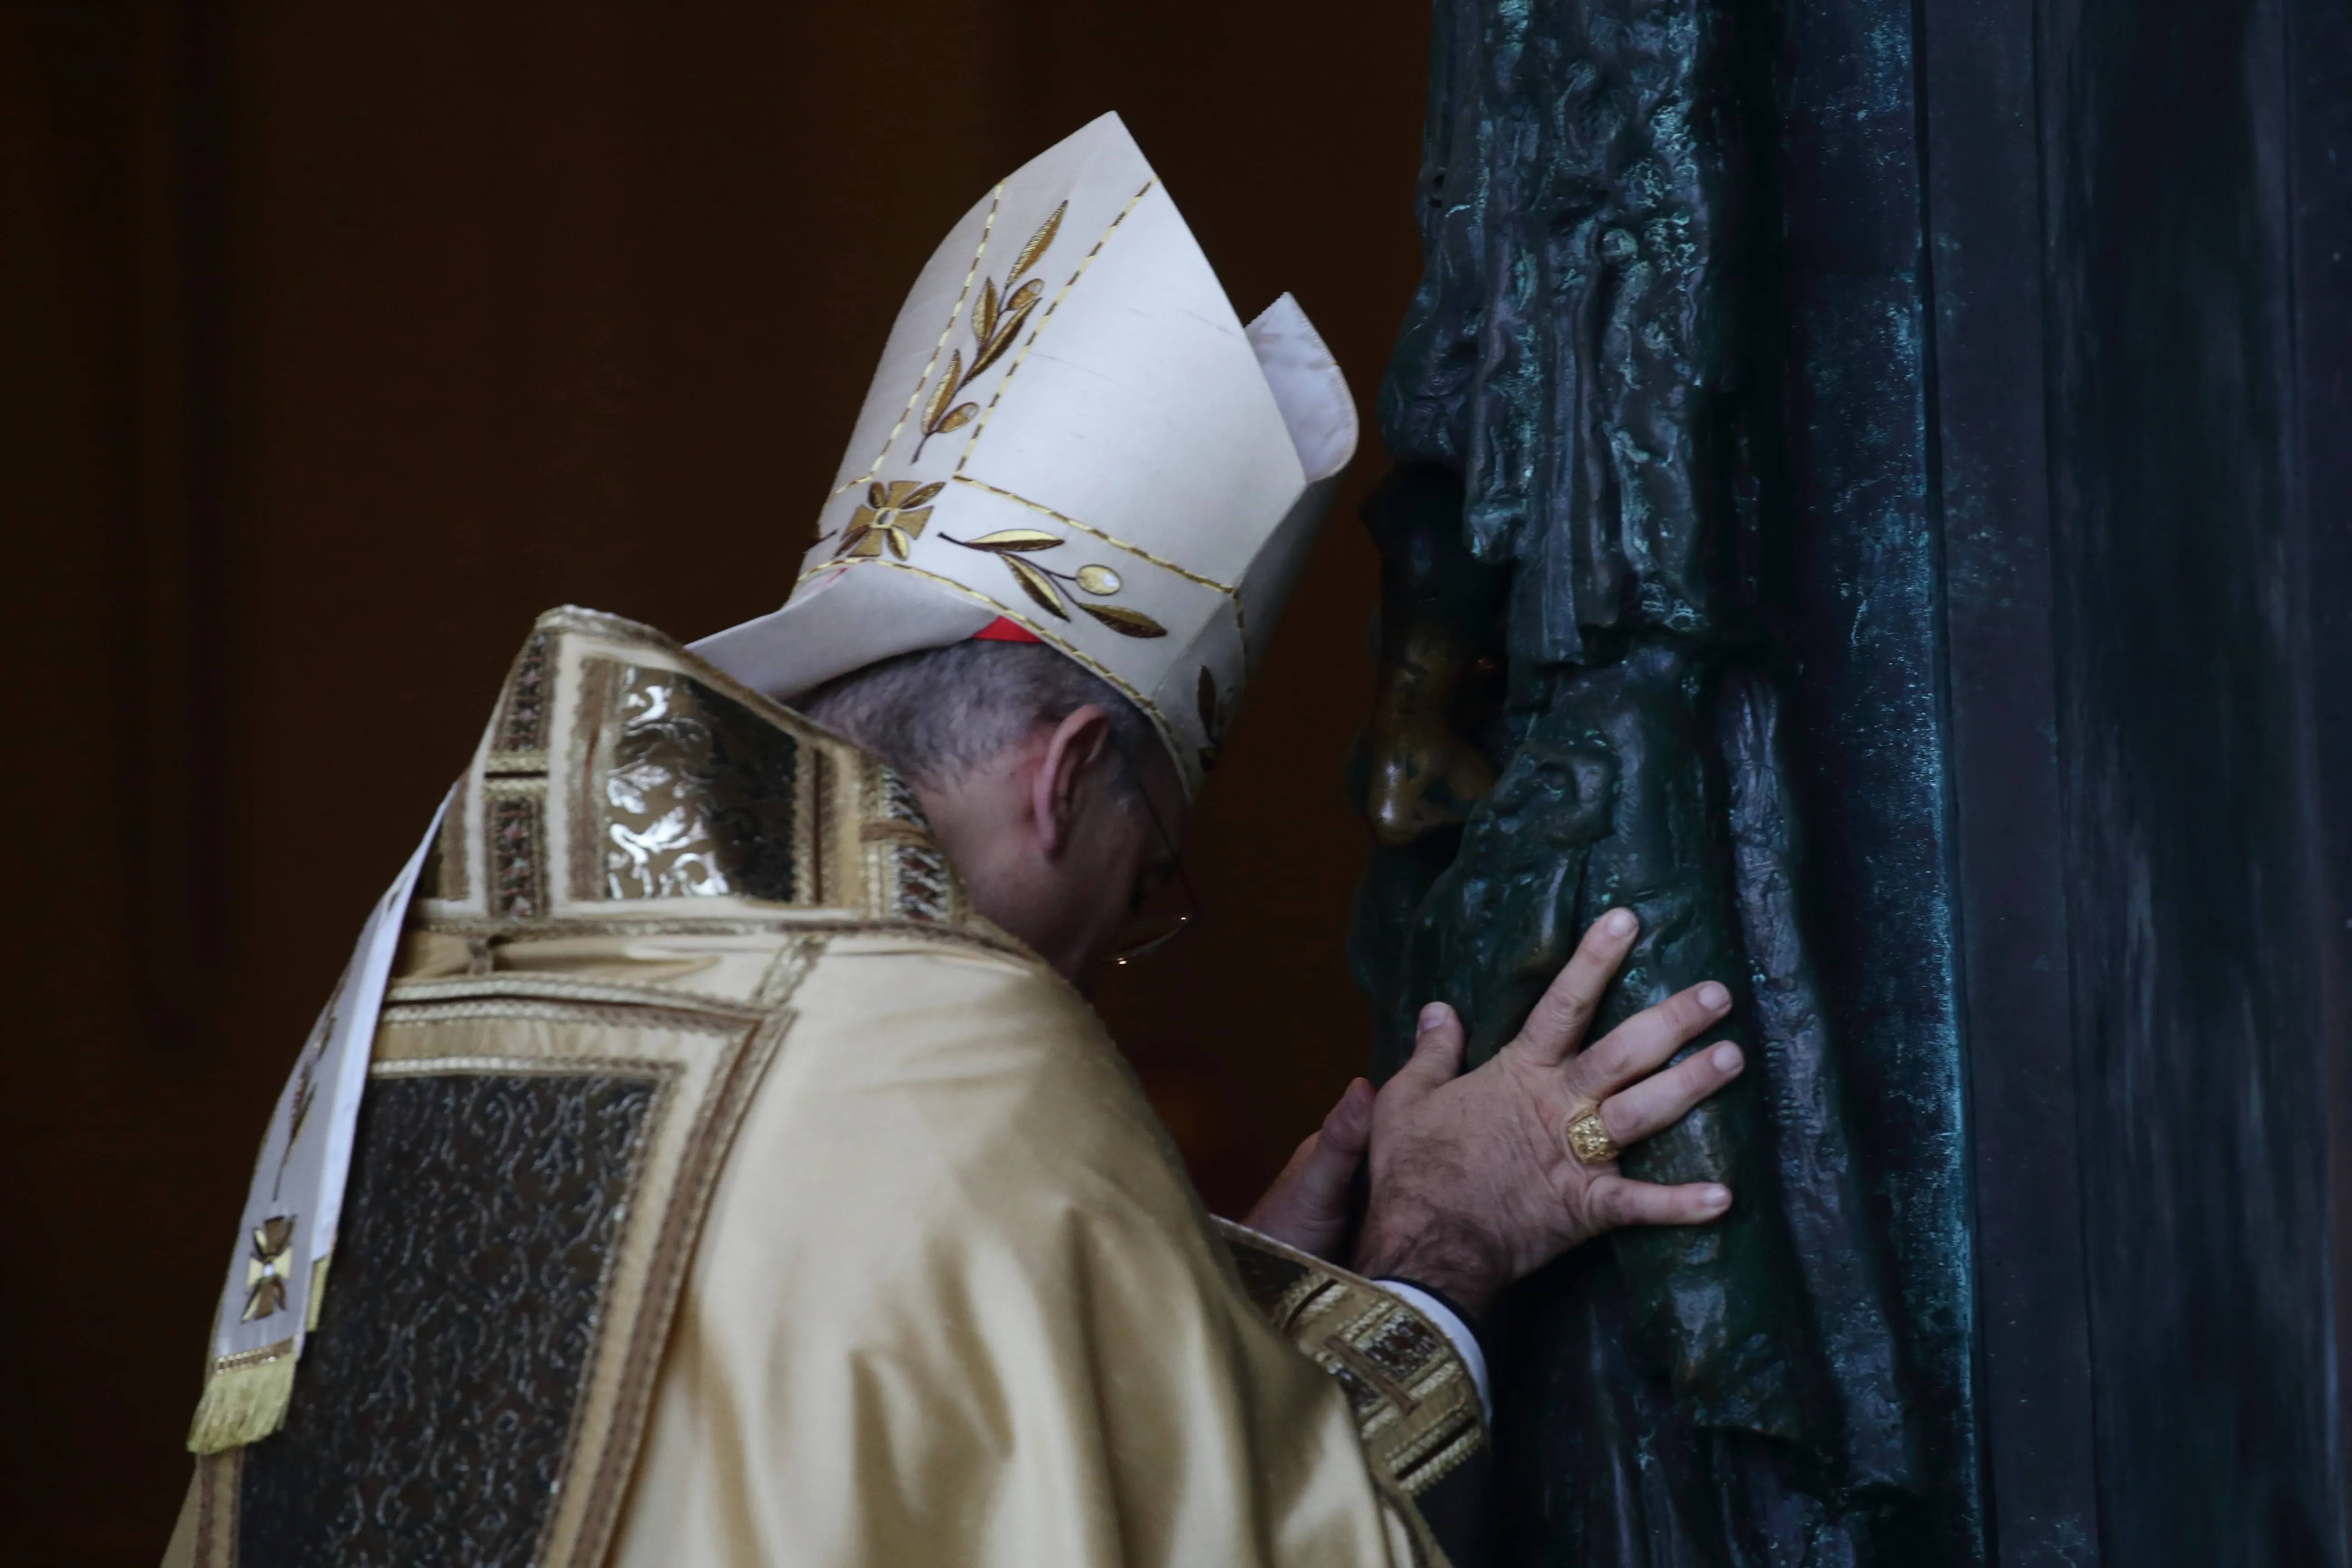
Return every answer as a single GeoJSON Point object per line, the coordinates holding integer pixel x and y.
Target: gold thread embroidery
{"type": "Point", "coordinates": [518, 833]}
{"type": "Point", "coordinates": [1013, 369]}
{"type": "Point", "coordinates": [1052, 589]}
{"type": "Point", "coordinates": [791, 966]}
{"type": "Point", "coordinates": [540, 987]}
{"type": "Point", "coordinates": [894, 514]}
{"type": "Point", "coordinates": [1415, 1410]}
{"type": "Point", "coordinates": [649, 1067]}
{"type": "Point", "coordinates": [260, 1356]}
{"type": "Point", "coordinates": [996, 322]}
{"type": "Point", "coordinates": [837, 921]}
{"type": "Point", "coordinates": [988, 228]}
{"type": "Point", "coordinates": [1112, 539]}
{"type": "Point", "coordinates": [522, 715]}
{"type": "Point", "coordinates": [265, 1271]}
{"type": "Point", "coordinates": [305, 1091]}
{"type": "Point", "coordinates": [1353, 1357]}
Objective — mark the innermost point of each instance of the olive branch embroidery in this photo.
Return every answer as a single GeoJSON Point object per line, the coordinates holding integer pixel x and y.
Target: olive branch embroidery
{"type": "Point", "coordinates": [994, 324]}
{"type": "Point", "coordinates": [306, 1091]}
{"type": "Point", "coordinates": [895, 514]}
{"type": "Point", "coordinates": [1051, 589]}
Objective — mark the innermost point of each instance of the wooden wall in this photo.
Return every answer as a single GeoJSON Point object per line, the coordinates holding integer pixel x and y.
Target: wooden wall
{"type": "Point", "coordinates": [336, 343]}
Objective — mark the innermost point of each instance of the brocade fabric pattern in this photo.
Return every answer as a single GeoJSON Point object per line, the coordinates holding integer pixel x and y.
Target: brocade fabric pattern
{"type": "Point", "coordinates": [700, 797]}
{"type": "Point", "coordinates": [522, 723]}
{"type": "Point", "coordinates": [433, 1406]}
{"type": "Point", "coordinates": [920, 869]}
{"type": "Point", "coordinates": [518, 855]}
{"type": "Point", "coordinates": [1420, 1428]}
{"type": "Point", "coordinates": [1268, 1277]}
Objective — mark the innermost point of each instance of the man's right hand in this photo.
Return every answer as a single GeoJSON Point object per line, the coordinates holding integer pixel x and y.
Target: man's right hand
{"type": "Point", "coordinates": [1474, 1185]}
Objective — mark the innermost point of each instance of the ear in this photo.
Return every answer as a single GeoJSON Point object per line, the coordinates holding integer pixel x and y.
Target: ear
{"type": "Point", "coordinates": [1076, 744]}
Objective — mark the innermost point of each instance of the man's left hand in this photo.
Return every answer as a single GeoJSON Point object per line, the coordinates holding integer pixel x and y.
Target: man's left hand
{"type": "Point", "coordinates": [1311, 1205]}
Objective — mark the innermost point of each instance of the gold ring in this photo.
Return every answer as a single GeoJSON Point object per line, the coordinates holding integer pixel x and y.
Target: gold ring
{"type": "Point", "coordinates": [1589, 1141]}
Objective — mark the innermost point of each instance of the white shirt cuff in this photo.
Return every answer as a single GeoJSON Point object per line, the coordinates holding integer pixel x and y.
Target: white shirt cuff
{"type": "Point", "coordinates": [1456, 1332]}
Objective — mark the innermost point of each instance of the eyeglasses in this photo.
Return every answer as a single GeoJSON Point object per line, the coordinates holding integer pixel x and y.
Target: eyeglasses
{"type": "Point", "coordinates": [1172, 910]}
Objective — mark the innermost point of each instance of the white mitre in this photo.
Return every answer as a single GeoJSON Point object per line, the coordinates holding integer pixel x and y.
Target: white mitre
{"type": "Point", "coordinates": [1073, 431]}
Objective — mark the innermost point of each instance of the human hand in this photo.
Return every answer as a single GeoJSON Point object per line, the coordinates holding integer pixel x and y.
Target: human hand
{"type": "Point", "coordinates": [1474, 1183]}
{"type": "Point", "coordinates": [1312, 1202]}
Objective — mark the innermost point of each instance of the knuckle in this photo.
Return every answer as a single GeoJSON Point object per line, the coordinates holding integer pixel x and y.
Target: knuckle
{"type": "Point", "coordinates": [1579, 1083]}
{"type": "Point", "coordinates": [1686, 1095]}
{"type": "Point", "coordinates": [1623, 1209]}
{"type": "Point", "coordinates": [1567, 1000]}
{"type": "Point", "coordinates": [1613, 1059]}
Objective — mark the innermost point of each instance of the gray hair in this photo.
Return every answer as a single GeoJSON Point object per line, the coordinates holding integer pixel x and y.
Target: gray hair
{"type": "Point", "coordinates": [937, 714]}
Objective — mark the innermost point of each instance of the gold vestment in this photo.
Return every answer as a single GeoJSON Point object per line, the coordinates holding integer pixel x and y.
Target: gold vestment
{"type": "Point", "coordinates": [728, 1192]}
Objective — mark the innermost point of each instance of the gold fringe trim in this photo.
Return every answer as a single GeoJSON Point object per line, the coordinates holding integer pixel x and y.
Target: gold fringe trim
{"type": "Point", "coordinates": [244, 1399]}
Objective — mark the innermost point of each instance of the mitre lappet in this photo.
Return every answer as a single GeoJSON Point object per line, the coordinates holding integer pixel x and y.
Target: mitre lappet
{"type": "Point", "coordinates": [1072, 436]}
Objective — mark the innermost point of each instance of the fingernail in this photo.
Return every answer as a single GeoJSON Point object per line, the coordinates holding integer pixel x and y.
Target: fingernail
{"type": "Point", "coordinates": [1433, 1015]}
{"type": "Point", "coordinates": [1619, 924]}
{"type": "Point", "coordinates": [1714, 997]}
{"type": "Point", "coordinates": [1726, 1058]}
{"type": "Point", "coordinates": [1716, 1199]}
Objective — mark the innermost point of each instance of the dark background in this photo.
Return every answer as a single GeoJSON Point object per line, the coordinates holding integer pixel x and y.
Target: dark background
{"type": "Point", "coordinates": [335, 346]}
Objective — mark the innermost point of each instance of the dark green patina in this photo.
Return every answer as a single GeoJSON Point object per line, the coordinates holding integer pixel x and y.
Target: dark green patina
{"type": "Point", "coordinates": [1686, 461]}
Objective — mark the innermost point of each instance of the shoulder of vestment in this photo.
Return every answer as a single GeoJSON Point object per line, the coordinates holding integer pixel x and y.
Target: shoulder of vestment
{"type": "Point", "coordinates": [633, 817]}
{"type": "Point", "coordinates": [642, 867]}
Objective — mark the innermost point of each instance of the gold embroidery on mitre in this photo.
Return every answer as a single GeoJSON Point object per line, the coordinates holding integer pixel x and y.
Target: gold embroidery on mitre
{"type": "Point", "coordinates": [1015, 368]}
{"type": "Point", "coordinates": [894, 514]}
{"type": "Point", "coordinates": [265, 1271]}
{"type": "Point", "coordinates": [1052, 589]}
{"type": "Point", "coordinates": [996, 321]}
{"type": "Point", "coordinates": [987, 232]}
{"type": "Point", "coordinates": [1083, 526]}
